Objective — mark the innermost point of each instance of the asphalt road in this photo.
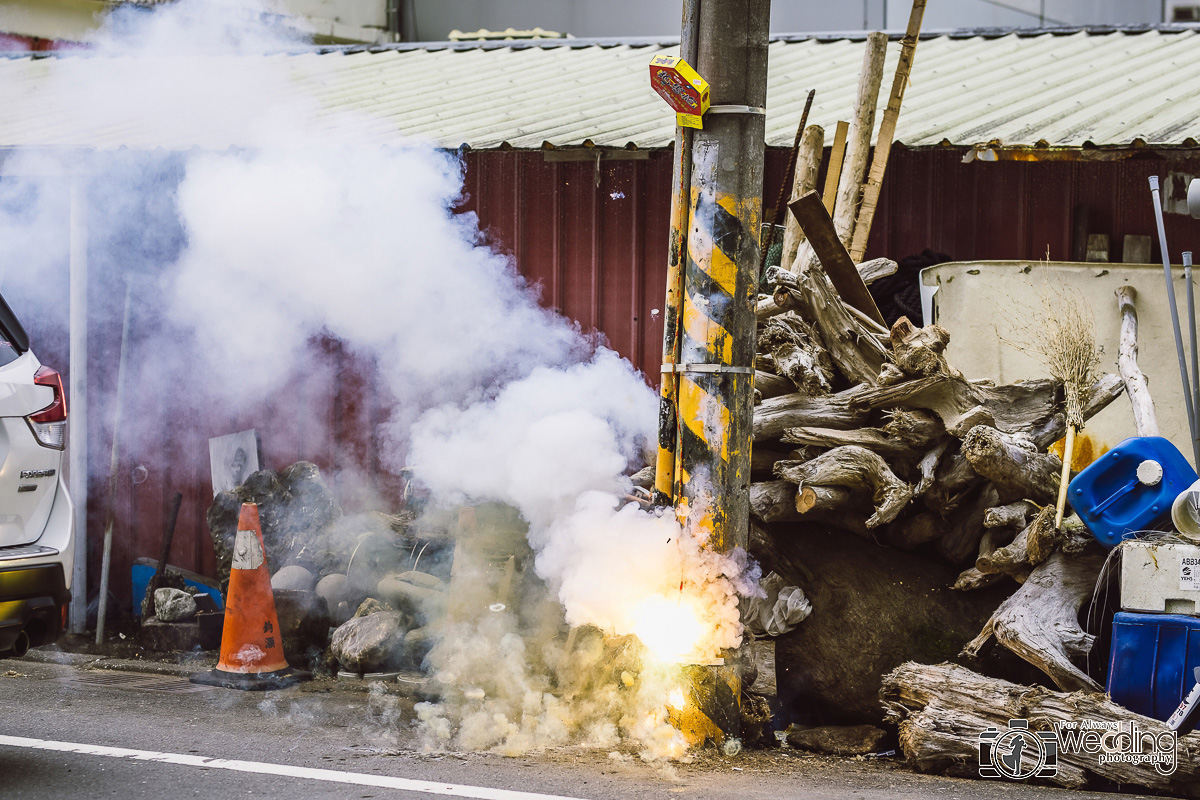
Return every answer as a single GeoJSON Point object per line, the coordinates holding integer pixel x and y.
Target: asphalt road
{"type": "Point", "coordinates": [77, 734]}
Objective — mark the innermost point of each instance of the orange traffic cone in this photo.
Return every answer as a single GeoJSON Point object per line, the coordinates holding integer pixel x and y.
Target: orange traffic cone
{"type": "Point", "coordinates": [251, 646]}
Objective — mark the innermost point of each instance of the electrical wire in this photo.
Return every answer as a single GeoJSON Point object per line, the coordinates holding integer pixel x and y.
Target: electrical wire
{"type": "Point", "coordinates": [1042, 18]}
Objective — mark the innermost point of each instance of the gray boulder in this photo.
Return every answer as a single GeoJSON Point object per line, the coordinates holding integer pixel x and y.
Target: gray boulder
{"type": "Point", "coordinates": [294, 577]}
{"type": "Point", "coordinates": [173, 605]}
{"type": "Point", "coordinates": [371, 643]}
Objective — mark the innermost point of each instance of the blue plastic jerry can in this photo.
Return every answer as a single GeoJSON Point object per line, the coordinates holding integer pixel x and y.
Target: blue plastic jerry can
{"type": "Point", "coordinates": [1130, 488]}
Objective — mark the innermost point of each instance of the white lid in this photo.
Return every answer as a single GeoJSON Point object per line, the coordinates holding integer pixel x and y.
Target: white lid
{"type": "Point", "coordinates": [1149, 472]}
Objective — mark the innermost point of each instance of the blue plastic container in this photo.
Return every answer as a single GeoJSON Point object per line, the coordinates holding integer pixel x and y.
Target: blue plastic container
{"type": "Point", "coordinates": [1151, 661]}
{"type": "Point", "coordinates": [1114, 503]}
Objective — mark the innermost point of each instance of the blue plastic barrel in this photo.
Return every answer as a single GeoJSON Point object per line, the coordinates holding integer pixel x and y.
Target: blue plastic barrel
{"type": "Point", "coordinates": [1130, 488]}
{"type": "Point", "coordinates": [1151, 661]}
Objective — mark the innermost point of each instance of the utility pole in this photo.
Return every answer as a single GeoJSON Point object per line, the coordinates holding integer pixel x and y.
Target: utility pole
{"type": "Point", "coordinates": [713, 369]}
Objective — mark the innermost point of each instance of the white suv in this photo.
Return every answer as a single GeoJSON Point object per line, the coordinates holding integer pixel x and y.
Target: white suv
{"type": "Point", "coordinates": [37, 520]}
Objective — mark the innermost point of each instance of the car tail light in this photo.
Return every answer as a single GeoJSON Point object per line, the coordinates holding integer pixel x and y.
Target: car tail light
{"type": "Point", "coordinates": [50, 424]}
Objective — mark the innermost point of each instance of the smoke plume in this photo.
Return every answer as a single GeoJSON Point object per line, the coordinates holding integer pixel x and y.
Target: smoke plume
{"type": "Point", "coordinates": [269, 225]}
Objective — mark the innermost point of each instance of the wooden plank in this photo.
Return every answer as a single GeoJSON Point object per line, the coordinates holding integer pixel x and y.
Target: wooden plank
{"type": "Point", "coordinates": [887, 132]}
{"type": "Point", "coordinates": [837, 155]}
{"type": "Point", "coordinates": [818, 227]}
{"type": "Point", "coordinates": [809, 162]}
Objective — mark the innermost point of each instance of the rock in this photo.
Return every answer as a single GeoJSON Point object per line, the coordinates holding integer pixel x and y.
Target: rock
{"type": "Point", "coordinates": [173, 605]}
{"type": "Point", "coordinates": [303, 621]}
{"type": "Point", "coordinates": [333, 589]}
{"type": "Point", "coordinates": [417, 644]}
{"type": "Point", "coordinates": [371, 606]}
{"type": "Point", "coordinates": [421, 601]}
{"type": "Point", "coordinates": [375, 556]}
{"type": "Point", "coordinates": [295, 577]}
{"type": "Point", "coordinates": [846, 740]}
{"type": "Point", "coordinates": [371, 643]}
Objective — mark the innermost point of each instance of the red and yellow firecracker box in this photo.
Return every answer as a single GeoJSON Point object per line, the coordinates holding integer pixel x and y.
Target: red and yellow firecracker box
{"type": "Point", "coordinates": [682, 88]}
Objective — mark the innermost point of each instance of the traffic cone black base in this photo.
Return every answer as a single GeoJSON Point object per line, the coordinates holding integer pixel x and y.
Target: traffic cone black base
{"type": "Point", "coordinates": [252, 681]}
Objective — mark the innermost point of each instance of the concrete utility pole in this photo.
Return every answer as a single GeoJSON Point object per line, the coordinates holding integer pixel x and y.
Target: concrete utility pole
{"type": "Point", "coordinates": [714, 366]}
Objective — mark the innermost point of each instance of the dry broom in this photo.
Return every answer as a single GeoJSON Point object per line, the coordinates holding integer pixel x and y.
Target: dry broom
{"type": "Point", "coordinates": [1065, 338]}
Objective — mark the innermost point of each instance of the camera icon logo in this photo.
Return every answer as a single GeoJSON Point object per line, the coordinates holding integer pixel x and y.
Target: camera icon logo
{"type": "Point", "coordinates": [1018, 753]}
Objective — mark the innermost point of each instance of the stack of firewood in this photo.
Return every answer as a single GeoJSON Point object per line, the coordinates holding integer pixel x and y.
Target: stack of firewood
{"type": "Point", "coordinates": [872, 432]}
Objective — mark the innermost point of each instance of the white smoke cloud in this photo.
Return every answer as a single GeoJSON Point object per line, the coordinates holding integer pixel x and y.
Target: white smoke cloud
{"type": "Point", "coordinates": [300, 233]}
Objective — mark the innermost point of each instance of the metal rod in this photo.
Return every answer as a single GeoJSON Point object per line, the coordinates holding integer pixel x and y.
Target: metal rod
{"type": "Point", "coordinates": [1191, 313]}
{"type": "Point", "coordinates": [789, 177]}
{"type": "Point", "coordinates": [106, 562]}
{"type": "Point", "coordinates": [77, 433]}
{"type": "Point", "coordinates": [1183, 370]}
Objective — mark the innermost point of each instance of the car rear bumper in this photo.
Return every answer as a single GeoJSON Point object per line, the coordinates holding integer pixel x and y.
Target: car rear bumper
{"type": "Point", "coordinates": [32, 600]}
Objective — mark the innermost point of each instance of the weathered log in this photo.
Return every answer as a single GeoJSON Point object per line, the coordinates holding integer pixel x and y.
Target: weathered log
{"type": "Point", "coordinates": [766, 307]}
{"type": "Point", "coordinates": [773, 416]}
{"type": "Point", "coordinates": [1145, 421]}
{"type": "Point", "coordinates": [769, 385]}
{"type": "Point", "coordinates": [1014, 407]}
{"type": "Point", "coordinates": [798, 353]}
{"type": "Point", "coordinates": [877, 268]}
{"type": "Point", "coordinates": [1029, 548]}
{"type": "Point", "coordinates": [1013, 515]}
{"type": "Point", "coordinates": [855, 468]}
{"type": "Point", "coordinates": [822, 498]}
{"type": "Point", "coordinates": [873, 439]}
{"type": "Point", "coordinates": [1104, 391]}
{"type": "Point", "coordinates": [1013, 464]}
{"type": "Point", "coordinates": [970, 579]}
{"type": "Point", "coordinates": [941, 709]}
{"type": "Point", "coordinates": [890, 375]}
{"type": "Point", "coordinates": [856, 351]}
{"type": "Point", "coordinates": [915, 427]}
{"type": "Point", "coordinates": [808, 165]}
{"type": "Point", "coordinates": [918, 351]}
{"type": "Point", "coordinates": [773, 501]}
{"type": "Point", "coordinates": [763, 459]}
{"type": "Point", "coordinates": [1040, 622]}
{"type": "Point", "coordinates": [928, 465]}
{"type": "Point", "coordinates": [966, 528]}
{"type": "Point", "coordinates": [845, 519]}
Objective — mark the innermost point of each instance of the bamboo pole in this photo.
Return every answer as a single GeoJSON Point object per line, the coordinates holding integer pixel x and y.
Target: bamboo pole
{"type": "Point", "coordinates": [837, 155]}
{"type": "Point", "coordinates": [811, 148]}
{"type": "Point", "coordinates": [887, 132]}
{"type": "Point", "coordinates": [859, 139]}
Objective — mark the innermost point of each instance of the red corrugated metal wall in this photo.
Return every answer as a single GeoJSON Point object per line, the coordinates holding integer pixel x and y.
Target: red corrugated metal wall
{"type": "Point", "coordinates": [592, 236]}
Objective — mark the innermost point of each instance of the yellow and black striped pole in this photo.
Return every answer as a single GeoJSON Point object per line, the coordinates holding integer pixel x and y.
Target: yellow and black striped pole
{"type": "Point", "coordinates": [714, 369]}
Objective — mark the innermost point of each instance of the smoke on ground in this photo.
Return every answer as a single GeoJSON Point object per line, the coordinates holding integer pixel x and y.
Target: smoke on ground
{"type": "Point", "coordinates": [261, 230]}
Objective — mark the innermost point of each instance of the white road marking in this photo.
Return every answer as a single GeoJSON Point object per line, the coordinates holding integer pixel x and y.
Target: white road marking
{"type": "Point", "coordinates": [283, 770]}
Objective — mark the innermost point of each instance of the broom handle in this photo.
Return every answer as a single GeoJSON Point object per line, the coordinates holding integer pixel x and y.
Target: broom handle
{"type": "Point", "coordinates": [1068, 453]}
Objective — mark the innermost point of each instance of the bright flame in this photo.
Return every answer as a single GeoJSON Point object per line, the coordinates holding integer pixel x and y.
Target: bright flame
{"type": "Point", "coordinates": [675, 699]}
{"type": "Point", "coordinates": [671, 630]}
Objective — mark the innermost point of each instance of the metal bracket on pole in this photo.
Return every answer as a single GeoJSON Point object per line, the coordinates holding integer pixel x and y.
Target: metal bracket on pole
{"type": "Point", "coordinates": [727, 109]}
{"type": "Point", "coordinates": [710, 368]}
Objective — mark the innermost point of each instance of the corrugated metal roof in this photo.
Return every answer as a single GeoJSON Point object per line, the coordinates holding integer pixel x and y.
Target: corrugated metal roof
{"type": "Point", "coordinates": [1112, 88]}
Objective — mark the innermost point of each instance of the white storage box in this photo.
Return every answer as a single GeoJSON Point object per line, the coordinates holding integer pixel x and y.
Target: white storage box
{"type": "Point", "coordinates": [1162, 578]}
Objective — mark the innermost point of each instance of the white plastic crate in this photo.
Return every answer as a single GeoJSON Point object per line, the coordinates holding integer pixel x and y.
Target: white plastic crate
{"type": "Point", "coordinates": [1160, 578]}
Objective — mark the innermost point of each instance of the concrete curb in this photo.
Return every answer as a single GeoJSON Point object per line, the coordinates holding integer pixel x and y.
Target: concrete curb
{"type": "Point", "coordinates": [86, 661]}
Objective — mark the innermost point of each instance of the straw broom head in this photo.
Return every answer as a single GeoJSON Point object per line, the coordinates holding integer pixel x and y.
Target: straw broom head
{"type": "Point", "coordinates": [1065, 338]}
